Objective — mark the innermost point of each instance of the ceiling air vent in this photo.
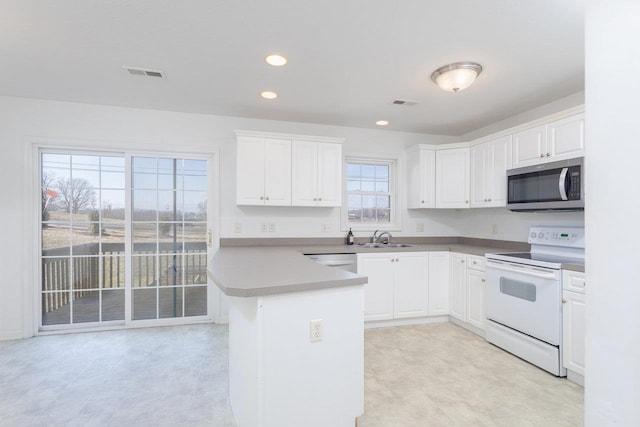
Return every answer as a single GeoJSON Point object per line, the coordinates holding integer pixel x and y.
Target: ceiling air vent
{"type": "Point", "coordinates": [404, 102]}
{"type": "Point", "coordinates": [143, 72]}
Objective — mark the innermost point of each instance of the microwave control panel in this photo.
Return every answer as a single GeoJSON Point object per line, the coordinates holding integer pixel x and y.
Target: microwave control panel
{"type": "Point", "coordinates": [557, 236]}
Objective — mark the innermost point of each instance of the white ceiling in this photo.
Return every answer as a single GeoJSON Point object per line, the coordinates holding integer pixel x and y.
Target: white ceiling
{"type": "Point", "coordinates": [349, 59]}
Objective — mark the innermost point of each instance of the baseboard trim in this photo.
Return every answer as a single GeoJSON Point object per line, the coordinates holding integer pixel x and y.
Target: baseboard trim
{"type": "Point", "coordinates": [405, 322]}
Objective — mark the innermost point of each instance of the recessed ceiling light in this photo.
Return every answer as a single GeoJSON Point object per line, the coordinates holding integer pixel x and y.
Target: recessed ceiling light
{"type": "Point", "coordinates": [382, 122]}
{"type": "Point", "coordinates": [276, 60]}
{"type": "Point", "coordinates": [267, 94]}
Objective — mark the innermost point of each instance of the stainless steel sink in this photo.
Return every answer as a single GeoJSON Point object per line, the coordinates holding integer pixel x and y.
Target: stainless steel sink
{"type": "Point", "coordinates": [384, 245]}
{"type": "Point", "coordinates": [371, 245]}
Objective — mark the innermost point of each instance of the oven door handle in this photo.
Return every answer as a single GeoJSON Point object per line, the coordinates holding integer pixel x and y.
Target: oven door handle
{"type": "Point", "coordinates": [515, 268]}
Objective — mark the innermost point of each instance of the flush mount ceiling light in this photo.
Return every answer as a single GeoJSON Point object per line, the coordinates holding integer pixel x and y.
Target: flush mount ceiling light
{"type": "Point", "coordinates": [267, 94]}
{"type": "Point", "coordinates": [457, 76]}
{"type": "Point", "coordinates": [275, 60]}
{"type": "Point", "coordinates": [382, 122]}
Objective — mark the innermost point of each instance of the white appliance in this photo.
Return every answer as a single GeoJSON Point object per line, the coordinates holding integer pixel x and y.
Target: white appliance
{"type": "Point", "coordinates": [524, 296]}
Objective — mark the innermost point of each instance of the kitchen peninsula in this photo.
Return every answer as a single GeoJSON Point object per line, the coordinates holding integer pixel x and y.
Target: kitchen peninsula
{"type": "Point", "coordinates": [281, 370]}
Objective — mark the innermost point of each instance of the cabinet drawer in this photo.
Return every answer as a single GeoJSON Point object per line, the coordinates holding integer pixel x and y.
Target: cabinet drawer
{"type": "Point", "coordinates": [475, 262]}
{"type": "Point", "coordinates": [573, 281]}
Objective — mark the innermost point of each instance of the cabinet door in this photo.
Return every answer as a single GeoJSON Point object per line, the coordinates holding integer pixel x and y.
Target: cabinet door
{"type": "Point", "coordinates": [565, 138]}
{"type": "Point", "coordinates": [438, 283]}
{"type": "Point", "coordinates": [475, 298]}
{"type": "Point", "coordinates": [530, 147]}
{"type": "Point", "coordinates": [452, 181]}
{"type": "Point", "coordinates": [411, 288]}
{"type": "Point", "coordinates": [499, 159]}
{"type": "Point", "coordinates": [378, 292]}
{"type": "Point", "coordinates": [329, 174]}
{"type": "Point", "coordinates": [479, 181]}
{"type": "Point", "coordinates": [457, 286]}
{"type": "Point", "coordinates": [250, 171]}
{"type": "Point", "coordinates": [573, 331]}
{"type": "Point", "coordinates": [304, 173]}
{"type": "Point", "coordinates": [421, 179]}
{"type": "Point", "coordinates": [277, 172]}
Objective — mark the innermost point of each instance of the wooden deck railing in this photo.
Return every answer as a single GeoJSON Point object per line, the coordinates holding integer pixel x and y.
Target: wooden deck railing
{"type": "Point", "coordinates": [85, 263]}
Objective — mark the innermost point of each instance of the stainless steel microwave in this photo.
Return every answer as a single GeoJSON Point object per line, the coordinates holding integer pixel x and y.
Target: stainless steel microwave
{"type": "Point", "coordinates": [553, 186]}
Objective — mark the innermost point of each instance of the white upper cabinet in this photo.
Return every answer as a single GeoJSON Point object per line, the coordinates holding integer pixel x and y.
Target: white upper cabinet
{"type": "Point", "coordinates": [275, 170]}
{"type": "Point", "coordinates": [452, 178]}
{"type": "Point", "coordinates": [421, 178]}
{"type": "Point", "coordinates": [263, 171]}
{"type": "Point", "coordinates": [489, 164]}
{"type": "Point", "coordinates": [530, 146]}
{"type": "Point", "coordinates": [558, 140]}
{"type": "Point", "coordinates": [316, 174]}
{"type": "Point", "coordinates": [565, 138]}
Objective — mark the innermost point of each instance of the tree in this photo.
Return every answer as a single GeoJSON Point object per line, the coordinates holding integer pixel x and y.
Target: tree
{"type": "Point", "coordinates": [46, 182]}
{"type": "Point", "coordinates": [75, 194]}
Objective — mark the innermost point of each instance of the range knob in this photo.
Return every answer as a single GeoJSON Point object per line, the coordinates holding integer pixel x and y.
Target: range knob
{"type": "Point", "coordinates": [540, 235]}
{"type": "Point", "coordinates": [533, 235]}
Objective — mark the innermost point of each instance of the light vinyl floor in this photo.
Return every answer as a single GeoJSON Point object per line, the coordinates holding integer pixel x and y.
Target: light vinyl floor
{"type": "Point", "coordinates": [426, 375]}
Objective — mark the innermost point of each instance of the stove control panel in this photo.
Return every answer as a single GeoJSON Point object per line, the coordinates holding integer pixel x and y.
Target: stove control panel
{"type": "Point", "coordinates": [557, 236]}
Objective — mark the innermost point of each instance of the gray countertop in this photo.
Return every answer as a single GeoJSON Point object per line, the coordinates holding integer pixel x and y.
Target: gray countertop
{"type": "Point", "coordinates": [260, 271]}
{"type": "Point", "coordinates": [249, 271]}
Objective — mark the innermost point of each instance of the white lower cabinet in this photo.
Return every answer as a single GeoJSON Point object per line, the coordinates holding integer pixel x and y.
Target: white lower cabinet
{"type": "Point", "coordinates": [467, 285]}
{"type": "Point", "coordinates": [379, 291]}
{"type": "Point", "coordinates": [403, 285]}
{"type": "Point", "coordinates": [573, 321]}
{"type": "Point", "coordinates": [438, 283]}
{"type": "Point", "coordinates": [410, 285]}
{"type": "Point", "coordinates": [475, 298]}
{"type": "Point", "coordinates": [458, 286]}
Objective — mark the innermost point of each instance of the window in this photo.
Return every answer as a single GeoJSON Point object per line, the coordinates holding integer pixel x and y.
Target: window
{"type": "Point", "coordinates": [370, 195]}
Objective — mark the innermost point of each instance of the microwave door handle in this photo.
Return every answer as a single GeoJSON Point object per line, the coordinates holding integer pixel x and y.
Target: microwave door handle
{"type": "Point", "coordinates": [562, 184]}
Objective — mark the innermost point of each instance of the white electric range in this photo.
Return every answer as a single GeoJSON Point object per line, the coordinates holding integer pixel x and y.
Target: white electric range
{"type": "Point", "coordinates": [524, 295]}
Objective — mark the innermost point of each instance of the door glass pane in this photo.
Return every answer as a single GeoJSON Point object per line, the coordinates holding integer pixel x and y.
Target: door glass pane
{"type": "Point", "coordinates": [83, 211]}
{"type": "Point", "coordinates": [169, 236]}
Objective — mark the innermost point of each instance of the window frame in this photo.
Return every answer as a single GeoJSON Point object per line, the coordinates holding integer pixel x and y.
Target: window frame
{"type": "Point", "coordinates": [394, 209]}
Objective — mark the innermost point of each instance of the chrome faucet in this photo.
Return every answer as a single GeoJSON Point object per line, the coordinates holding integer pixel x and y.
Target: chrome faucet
{"type": "Point", "coordinates": [378, 238]}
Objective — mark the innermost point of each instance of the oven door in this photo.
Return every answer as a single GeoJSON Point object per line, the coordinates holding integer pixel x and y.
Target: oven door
{"type": "Point", "coordinates": [525, 298]}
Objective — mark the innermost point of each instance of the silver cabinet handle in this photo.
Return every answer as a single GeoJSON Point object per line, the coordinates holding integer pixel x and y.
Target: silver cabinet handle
{"type": "Point", "coordinates": [541, 155]}
{"type": "Point", "coordinates": [261, 198]}
{"type": "Point", "coordinates": [548, 154]}
{"type": "Point", "coordinates": [564, 300]}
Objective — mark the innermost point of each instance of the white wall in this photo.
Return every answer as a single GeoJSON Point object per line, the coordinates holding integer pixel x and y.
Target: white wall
{"type": "Point", "coordinates": [612, 389]}
{"type": "Point", "coordinates": [511, 225]}
{"type": "Point", "coordinates": [95, 127]}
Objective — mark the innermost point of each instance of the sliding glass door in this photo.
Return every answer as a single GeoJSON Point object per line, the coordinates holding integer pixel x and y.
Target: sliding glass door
{"type": "Point", "coordinates": [124, 238]}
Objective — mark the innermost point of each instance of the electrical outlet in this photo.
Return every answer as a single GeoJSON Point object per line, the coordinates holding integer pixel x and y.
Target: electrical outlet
{"type": "Point", "coordinates": [315, 330]}
{"type": "Point", "coordinates": [326, 228]}
{"type": "Point", "coordinates": [494, 229]}
{"type": "Point", "coordinates": [237, 227]}
{"type": "Point", "coordinates": [420, 227]}
{"type": "Point", "coordinates": [264, 227]}
{"type": "Point", "coordinates": [272, 228]}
